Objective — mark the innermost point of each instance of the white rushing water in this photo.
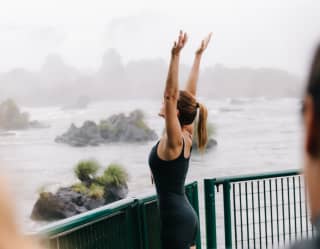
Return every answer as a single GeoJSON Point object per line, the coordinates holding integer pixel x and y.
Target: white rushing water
{"type": "Point", "coordinates": [254, 135]}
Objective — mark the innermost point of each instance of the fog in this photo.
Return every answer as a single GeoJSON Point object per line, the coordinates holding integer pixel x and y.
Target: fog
{"type": "Point", "coordinates": [120, 49]}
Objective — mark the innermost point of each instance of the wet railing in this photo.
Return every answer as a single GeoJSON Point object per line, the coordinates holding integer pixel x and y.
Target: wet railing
{"type": "Point", "coordinates": [131, 223]}
{"type": "Point", "coordinates": [252, 211]}
{"type": "Point", "coordinates": [259, 211]}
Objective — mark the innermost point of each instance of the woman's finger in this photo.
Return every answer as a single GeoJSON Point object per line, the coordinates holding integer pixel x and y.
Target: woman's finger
{"type": "Point", "coordinates": [185, 38]}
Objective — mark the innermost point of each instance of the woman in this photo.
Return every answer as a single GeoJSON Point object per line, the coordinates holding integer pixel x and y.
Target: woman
{"type": "Point", "coordinates": [169, 158]}
{"type": "Point", "coordinates": [311, 121]}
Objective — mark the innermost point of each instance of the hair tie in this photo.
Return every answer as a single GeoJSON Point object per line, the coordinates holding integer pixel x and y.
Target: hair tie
{"type": "Point", "coordinates": [197, 105]}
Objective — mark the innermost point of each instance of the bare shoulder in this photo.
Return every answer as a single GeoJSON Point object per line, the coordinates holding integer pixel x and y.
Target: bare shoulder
{"type": "Point", "coordinates": [166, 152]}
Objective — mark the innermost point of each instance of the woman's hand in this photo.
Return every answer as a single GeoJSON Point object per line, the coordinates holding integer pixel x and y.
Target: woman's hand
{"type": "Point", "coordinates": [178, 45]}
{"type": "Point", "coordinates": [204, 44]}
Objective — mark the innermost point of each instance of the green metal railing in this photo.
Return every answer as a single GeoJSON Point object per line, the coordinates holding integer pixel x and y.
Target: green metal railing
{"type": "Point", "coordinates": [259, 211]}
{"type": "Point", "coordinates": [130, 223]}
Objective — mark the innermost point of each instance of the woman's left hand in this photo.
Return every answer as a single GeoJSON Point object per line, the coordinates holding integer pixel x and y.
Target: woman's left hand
{"type": "Point", "coordinates": [204, 44]}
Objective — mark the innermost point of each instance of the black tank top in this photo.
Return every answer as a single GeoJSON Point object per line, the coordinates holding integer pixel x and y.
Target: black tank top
{"type": "Point", "coordinates": [169, 176]}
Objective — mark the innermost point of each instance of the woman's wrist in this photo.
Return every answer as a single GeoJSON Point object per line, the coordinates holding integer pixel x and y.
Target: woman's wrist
{"type": "Point", "coordinates": [175, 54]}
{"type": "Point", "coordinates": [198, 54]}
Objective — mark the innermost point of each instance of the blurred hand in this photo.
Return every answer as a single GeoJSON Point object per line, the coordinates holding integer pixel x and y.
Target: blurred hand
{"type": "Point", "coordinates": [178, 45]}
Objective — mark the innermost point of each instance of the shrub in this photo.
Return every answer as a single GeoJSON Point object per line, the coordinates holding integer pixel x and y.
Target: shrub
{"type": "Point", "coordinates": [86, 170]}
{"type": "Point", "coordinates": [115, 174]}
{"type": "Point", "coordinates": [96, 191]}
{"type": "Point", "coordinates": [80, 188]}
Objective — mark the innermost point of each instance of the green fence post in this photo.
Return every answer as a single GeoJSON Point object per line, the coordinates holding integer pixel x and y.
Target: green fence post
{"type": "Point", "coordinates": [195, 200]}
{"type": "Point", "coordinates": [227, 215]}
{"type": "Point", "coordinates": [145, 239]}
{"type": "Point", "coordinates": [210, 211]}
{"type": "Point", "coordinates": [128, 213]}
{"type": "Point", "coordinates": [140, 224]}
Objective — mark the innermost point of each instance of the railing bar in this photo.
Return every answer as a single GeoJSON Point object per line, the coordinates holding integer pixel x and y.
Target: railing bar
{"type": "Point", "coordinates": [265, 211]}
{"type": "Point", "coordinates": [256, 177]}
{"type": "Point", "coordinates": [289, 211]}
{"type": "Point", "coordinates": [277, 209]}
{"type": "Point", "coordinates": [248, 233]}
{"type": "Point", "coordinates": [235, 215]}
{"type": "Point", "coordinates": [252, 204]}
{"type": "Point", "coordinates": [283, 223]}
{"type": "Point", "coordinates": [294, 207]}
{"type": "Point", "coordinates": [270, 187]}
{"type": "Point", "coordinates": [259, 214]}
{"type": "Point", "coordinates": [300, 205]}
{"type": "Point", "coordinates": [240, 199]}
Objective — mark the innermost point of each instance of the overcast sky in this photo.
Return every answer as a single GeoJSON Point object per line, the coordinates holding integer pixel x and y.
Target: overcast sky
{"type": "Point", "coordinates": [254, 33]}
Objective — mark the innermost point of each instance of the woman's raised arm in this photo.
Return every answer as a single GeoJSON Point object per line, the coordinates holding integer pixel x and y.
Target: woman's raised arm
{"type": "Point", "coordinates": [171, 94]}
{"type": "Point", "coordinates": [194, 74]}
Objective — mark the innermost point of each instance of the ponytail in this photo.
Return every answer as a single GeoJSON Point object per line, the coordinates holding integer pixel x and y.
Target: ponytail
{"type": "Point", "coordinates": [202, 128]}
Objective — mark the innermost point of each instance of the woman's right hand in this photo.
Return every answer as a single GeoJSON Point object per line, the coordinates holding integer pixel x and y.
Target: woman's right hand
{"type": "Point", "coordinates": [178, 45]}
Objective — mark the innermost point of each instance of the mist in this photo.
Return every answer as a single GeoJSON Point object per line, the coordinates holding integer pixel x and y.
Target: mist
{"type": "Point", "coordinates": [54, 53]}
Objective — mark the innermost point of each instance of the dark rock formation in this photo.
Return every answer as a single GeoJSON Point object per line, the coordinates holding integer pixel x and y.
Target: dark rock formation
{"type": "Point", "coordinates": [117, 128]}
{"type": "Point", "coordinates": [211, 144]}
{"type": "Point", "coordinates": [67, 202]}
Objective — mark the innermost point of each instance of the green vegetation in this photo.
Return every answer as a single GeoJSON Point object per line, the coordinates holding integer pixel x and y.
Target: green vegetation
{"type": "Point", "coordinates": [80, 188]}
{"type": "Point", "coordinates": [92, 185]}
{"type": "Point", "coordinates": [41, 189]}
{"type": "Point", "coordinates": [95, 186]}
{"type": "Point", "coordinates": [86, 170]}
{"type": "Point", "coordinates": [44, 195]}
{"type": "Point", "coordinates": [96, 191]}
{"type": "Point", "coordinates": [114, 175]}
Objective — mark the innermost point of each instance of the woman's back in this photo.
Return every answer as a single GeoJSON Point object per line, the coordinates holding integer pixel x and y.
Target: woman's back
{"type": "Point", "coordinates": [179, 222]}
{"type": "Point", "coordinates": [169, 175]}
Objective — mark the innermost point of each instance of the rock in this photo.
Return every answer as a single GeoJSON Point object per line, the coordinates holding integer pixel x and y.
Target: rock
{"type": "Point", "coordinates": [88, 134]}
{"type": "Point", "coordinates": [51, 207]}
{"type": "Point", "coordinates": [115, 193]}
{"type": "Point", "coordinates": [211, 144]}
{"type": "Point", "coordinates": [117, 128]}
{"type": "Point", "coordinates": [65, 203]}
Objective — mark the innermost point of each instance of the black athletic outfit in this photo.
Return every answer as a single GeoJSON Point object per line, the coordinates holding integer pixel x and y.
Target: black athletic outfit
{"type": "Point", "coordinates": [179, 221]}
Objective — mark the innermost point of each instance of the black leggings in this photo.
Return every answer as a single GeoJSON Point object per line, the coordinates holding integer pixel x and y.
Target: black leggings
{"type": "Point", "coordinates": [179, 229]}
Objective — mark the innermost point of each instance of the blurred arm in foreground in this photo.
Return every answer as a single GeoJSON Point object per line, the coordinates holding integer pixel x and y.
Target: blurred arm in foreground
{"type": "Point", "coordinates": [10, 235]}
